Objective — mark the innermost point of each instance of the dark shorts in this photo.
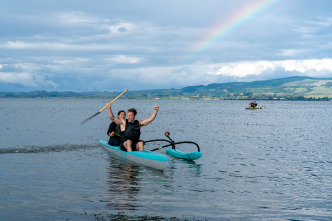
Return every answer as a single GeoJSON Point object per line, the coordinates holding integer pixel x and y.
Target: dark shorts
{"type": "Point", "coordinates": [114, 141]}
{"type": "Point", "coordinates": [133, 145]}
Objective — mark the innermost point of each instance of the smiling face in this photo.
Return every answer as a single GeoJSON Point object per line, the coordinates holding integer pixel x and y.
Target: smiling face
{"type": "Point", "coordinates": [122, 115]}
{"type": "Point", "coordinates": [131, 117]}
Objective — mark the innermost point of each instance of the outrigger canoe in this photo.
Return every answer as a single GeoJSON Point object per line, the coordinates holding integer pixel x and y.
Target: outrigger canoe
{"type": "Point", "coordinates": [146, 158]}
{"type": "Point", "coordinates": [255, 108]}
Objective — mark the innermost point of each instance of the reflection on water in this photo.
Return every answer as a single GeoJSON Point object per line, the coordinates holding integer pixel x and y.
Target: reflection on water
{"type": "Point", "coordinates": [124, 185]}
{"type": "Point", "coordinates": [189, 167]}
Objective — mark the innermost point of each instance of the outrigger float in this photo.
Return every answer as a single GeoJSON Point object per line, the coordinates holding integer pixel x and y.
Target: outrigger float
{"type": "Point", "coordinates": [150, 158]}
{"type": "Point", "coordinates": [177, 153]}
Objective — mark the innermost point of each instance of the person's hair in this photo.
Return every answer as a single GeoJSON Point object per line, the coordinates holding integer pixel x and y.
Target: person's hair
{"type": "Point", "coordinates": [121, 112]}
{"type": "Point", "coordinates": [133, 110]}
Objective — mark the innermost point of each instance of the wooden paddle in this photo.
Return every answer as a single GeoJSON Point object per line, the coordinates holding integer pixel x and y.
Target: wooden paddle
{"type": "Point", "coordinates": [86, 120]}
{"type": "Point", "coordinates": [115, 134]}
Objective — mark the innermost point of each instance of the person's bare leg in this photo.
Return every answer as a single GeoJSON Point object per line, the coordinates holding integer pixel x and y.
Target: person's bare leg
{"type": "Point", "coordinates": [140, 146]}
{"type": "Point", "coordinates": [127, 145]}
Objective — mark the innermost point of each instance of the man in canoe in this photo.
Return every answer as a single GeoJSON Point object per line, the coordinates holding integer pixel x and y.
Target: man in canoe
{"type": "Point", "coordinates": [253, 104]}
{"type": "Point", "coordinates": [114, 131]}
{"type": "Point", "coordinates": [132, 128]}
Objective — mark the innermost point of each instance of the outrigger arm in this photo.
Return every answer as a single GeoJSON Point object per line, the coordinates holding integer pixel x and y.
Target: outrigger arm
{"type": "Point", "coordinates": [177, 153]}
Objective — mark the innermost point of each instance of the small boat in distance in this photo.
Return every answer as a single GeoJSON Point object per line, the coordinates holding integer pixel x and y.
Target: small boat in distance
{"type": "Point", "coordinates": [255, 108]}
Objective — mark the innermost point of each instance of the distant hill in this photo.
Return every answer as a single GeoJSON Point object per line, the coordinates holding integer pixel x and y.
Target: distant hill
{"type": "Point", "coordinates": [283, 88]}
{"type": "Point", "coordinates": [290, 88]}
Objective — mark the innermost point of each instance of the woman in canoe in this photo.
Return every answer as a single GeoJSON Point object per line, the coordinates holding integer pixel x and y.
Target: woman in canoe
{"type": "Point", "coordinates": [114, 131]}
{"type": "Point", "coordinates": [132, 128]}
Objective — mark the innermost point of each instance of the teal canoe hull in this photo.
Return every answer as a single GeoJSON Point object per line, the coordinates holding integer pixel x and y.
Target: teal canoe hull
{"type": "Point", "coordinates": [182, 155]}
{"type": "Point", "coordinates": [146, 158]}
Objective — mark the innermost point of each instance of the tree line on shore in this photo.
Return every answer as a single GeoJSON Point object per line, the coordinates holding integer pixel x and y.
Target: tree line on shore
{"type": "Point", "coordinates": [291, 88]}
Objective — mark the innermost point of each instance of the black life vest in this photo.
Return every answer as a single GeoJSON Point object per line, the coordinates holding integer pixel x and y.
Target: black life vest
{"type": "Point", "coordinates": [132, 130]}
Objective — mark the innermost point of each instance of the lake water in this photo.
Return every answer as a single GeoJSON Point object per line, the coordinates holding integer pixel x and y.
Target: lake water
{"type": "Point", "coordinates": [270, 164]}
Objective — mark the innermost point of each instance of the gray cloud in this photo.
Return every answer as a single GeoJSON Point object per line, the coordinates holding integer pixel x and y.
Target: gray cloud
{"type": "Point", "coordinates": [150, 44]}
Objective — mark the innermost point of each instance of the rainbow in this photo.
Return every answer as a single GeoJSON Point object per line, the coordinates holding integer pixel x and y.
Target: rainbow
{"type": "Point", "coordinates": [226, 28]}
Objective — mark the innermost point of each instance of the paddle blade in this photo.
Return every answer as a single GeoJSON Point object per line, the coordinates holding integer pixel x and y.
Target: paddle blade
{"type": "Point", "coordinates": [86, 120]}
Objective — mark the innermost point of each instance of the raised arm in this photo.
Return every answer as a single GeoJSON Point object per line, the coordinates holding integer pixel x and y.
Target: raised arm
{"type": "Point", "coordinates": [151, 118]}
{"type": "Point", "coordinates": [111, 115]}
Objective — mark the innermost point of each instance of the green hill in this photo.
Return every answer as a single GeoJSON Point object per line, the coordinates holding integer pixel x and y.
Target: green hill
{"type": "Point", "coordinates": [283, 88]}
{"type": "Point", "coordinates": [290, 88]}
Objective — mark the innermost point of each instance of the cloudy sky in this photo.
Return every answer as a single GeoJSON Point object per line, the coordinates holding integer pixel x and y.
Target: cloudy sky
{"type": "Point", "coordinates": [111, 45]}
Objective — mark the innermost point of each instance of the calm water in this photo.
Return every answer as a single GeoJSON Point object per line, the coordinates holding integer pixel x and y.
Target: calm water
{"type": "Point", "coordinates": [271, 164]}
